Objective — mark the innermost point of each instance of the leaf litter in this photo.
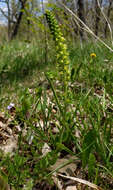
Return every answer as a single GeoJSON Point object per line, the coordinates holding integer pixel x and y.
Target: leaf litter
{"type": "Point", "coordinates": [9, 143]}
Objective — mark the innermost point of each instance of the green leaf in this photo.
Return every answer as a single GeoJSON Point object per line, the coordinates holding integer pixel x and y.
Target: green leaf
{"type": "Point", "coordinates": [63, 147]}
{"type": "Point", "coordinates": [91, 165]}
{"type": "Point", "coordinates": [72, 73]}
{"type": "Point", "coordinates": [88, 145]}
{"type": "Point", "coordinates": [3, 184]}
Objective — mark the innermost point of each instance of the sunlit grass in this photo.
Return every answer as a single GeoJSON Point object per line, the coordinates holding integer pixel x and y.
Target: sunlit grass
{"type": "Point", "coordinates": [84, 125]}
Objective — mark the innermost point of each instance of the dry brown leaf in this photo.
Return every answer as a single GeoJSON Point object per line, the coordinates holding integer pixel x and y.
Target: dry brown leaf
{"type": "Point", "coordinates": [68, 169]}
{"type": "Point", "coordinates": [2, 117]}
{"type": "Point", "coordinates": [45, 149]}
{"type": "Point", "coordinates": [10, 147]}
{"type": "Point", "coordinates": [71, 188]}
{"type": "Point", "coordinates": [57, 182]}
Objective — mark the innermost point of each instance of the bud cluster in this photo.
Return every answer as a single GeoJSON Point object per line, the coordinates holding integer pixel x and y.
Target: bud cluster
{"type": "Point", "coordinates": [60, 42]}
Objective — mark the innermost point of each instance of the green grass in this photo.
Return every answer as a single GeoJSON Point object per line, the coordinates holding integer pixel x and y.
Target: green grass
{"type": "Point", "coordinates": [19, 59]}
{"type": "Point", "coordinates": [83, 119]}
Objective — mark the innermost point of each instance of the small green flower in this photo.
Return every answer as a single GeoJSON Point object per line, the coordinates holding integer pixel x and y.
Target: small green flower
{"type": "Point", "coordinates": [61, 48]}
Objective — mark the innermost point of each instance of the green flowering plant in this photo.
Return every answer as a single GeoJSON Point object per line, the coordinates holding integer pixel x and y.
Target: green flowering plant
{"type": "Point", "coordinates": [62, 55]}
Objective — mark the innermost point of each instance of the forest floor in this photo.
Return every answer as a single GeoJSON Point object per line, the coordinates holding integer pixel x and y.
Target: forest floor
{"type": "Point", "coordinates": [49, 138]}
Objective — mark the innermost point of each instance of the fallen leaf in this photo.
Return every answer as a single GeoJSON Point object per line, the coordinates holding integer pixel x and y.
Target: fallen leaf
{"type": "Point", "coordinates": [45, 149]}
{"type": "Point", "coordinates": [71, 187]}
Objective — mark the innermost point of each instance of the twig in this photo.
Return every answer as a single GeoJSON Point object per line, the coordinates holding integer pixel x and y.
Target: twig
{"type": "Point", "coordinates": [81, 181]}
